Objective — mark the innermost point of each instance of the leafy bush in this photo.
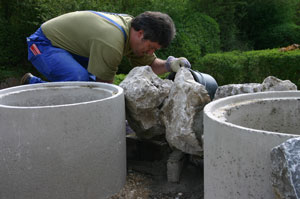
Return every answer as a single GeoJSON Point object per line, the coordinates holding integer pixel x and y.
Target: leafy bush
{"type": "Point", "coordinates": [16, 26]}
{"type": "Point", "coordinates": [297, 15]}
{"type": "Point", "coordinates": [228, 14]}
{"type": "Point", "coordinates": [283, 65]}
{"type": "Point", "coordinates": [224, 67]}
{"type": "Point", "coordinates": [251, 66]}
{"type": "Point", "coordinates": [263, 16]}
{"type": "Point", "coordinates": [119, 78]}
{"type": "Point", "coordinates": [197, 35]}
{"type": "Point", "coordinates": [264, 24]}
{"type": "Point", "coordinates": [244, 23]}
{"type": "Point", "coordinates": [279, 36]}
{"type": "Point", "coordinates": [19, 19]}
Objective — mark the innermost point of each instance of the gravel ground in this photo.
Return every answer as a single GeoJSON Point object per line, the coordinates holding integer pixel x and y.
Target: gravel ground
{"type": "Point", "coordinates": [143, 186]}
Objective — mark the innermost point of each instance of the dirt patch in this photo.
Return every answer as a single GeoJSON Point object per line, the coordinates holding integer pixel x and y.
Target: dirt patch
{"type": "Point", "coordinates": [143, 186]}
{"type": "Point", "coordinates": [9, 82]}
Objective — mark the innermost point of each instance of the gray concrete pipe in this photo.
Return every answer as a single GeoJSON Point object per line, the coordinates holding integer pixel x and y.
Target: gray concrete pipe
{"type": "Point", "coordinates": [239, 133]}
{"type": "Point", "coordinates": [62, 141]}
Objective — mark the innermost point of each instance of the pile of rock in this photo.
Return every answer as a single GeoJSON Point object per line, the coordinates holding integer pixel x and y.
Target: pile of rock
{"type": "Point", "coordinates": [173, 109]}
{"type": "Point", "coordinates": [269, 84]}
{"type": "Point", "coordinates": [163, 107]}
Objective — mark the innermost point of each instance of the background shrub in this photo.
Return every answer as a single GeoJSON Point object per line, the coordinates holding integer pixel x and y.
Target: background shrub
{"type": "Point", "coordinates": [226, 68]}
{"type": "Point", "coordinates": [228, 14]}
{"type": "Point", "coordinates": [264, 19]}
{"type": "Point", "coordinates": [197, 34]}
{"type": "Point", "coordinates": [203, 26]}
{"type": "Point", "coordinates": [252, 66]}
{"type": "Point", "coordinates": [279, 36]}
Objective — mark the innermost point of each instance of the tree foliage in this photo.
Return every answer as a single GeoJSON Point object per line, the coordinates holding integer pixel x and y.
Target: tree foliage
{"type": "Point", "coordinates": [265, 17]}
{"type": "Point", "coordinates": [228, 14]}
{"type": "Point", "coordinates": [197, 34]}
{"type": "Point", "coordinates": [203, 26]}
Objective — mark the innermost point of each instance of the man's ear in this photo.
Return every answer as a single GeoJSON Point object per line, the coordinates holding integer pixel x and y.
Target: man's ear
{"type": "Point", "coordinates": [140, 34]}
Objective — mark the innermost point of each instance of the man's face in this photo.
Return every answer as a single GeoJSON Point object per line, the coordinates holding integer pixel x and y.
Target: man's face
{"type": "Point", "coordinates": [141, 46]}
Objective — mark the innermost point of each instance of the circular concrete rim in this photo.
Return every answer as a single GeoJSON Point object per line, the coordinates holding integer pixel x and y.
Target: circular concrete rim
{"type": "Point", "coordinates": [114, 89]}
{"type": "Point", "coordinates": [227, 102]}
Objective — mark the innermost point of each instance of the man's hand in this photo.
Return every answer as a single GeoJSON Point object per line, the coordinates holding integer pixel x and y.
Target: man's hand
{"type": "Point", "coordinates": [173, 64]}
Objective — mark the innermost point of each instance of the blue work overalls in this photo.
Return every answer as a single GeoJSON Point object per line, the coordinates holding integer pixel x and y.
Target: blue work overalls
{"type": "Point", "coordinates": [57, 64]}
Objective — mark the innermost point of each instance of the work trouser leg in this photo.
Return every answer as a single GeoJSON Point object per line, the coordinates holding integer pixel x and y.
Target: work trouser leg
{"type": "Point", "coordinates": [54, 63]}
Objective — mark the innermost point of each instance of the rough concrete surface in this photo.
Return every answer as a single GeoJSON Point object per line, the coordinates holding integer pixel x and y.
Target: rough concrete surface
{"type": "Point", "coordinates": [142, 185]}
{"type": "Point", "coordinates": [238, 164]}
{"type": "Point", "coordinates": [53, 144]}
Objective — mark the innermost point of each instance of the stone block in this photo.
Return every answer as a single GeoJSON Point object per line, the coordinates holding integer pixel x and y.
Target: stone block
{"type": "Point", "coordinates": [269, 84]}
{"type": "Point", "coordinates": [175, 165]}
{"type": "Point", "coordinates": [145, 93]}
{"type": "Point", "coordinates": [182, 113]}
{"type": "Point", "coordinates": [285, 176]}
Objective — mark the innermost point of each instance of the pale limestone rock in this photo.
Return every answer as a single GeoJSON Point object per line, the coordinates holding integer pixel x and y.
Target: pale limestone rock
{"type": "Point", "coordinates": [235, 89]}
{"type": "Point", "coordinates": [285, 176]}
{"type": "Point", "coordinates": [269, 84]}
{"type": "Point", "coordinates": [144, 95]}
{"type": "Point", "coordinates": [182, 113]}
{"type": "Point", "coordinates": [274, 84]}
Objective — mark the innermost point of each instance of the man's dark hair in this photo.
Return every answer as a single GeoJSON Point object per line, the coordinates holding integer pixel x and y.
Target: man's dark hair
{"type": "Point", "coordinates": [157, 27]}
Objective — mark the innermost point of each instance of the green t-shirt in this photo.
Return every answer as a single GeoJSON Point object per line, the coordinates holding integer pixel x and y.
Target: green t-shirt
{"type": "Point", "coordinates": [89, 35]}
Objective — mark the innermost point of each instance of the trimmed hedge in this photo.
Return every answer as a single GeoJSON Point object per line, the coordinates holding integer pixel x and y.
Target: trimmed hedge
{"type": "Point", "coordinates": [251, 66]}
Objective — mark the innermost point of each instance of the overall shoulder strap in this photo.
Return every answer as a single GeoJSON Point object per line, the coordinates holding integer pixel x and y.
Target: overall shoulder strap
{"type": "Point", "coordinates": [112, 21]}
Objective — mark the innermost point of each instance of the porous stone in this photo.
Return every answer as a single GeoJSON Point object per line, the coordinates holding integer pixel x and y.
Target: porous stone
{"type": "Point", "coordinates": [235, 89]}
{"type": "Point", "coordinates": [182, 113]}
{"type": "Point", "coordinates": [285, 176]}
{"type": "Point", "coordinates": [270, 83]}
{"type": "Point", "coordinates": [144, 94]}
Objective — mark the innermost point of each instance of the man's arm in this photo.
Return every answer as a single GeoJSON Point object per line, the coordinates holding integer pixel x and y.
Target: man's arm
{"type": "Point", "coordinates": [158, 66]}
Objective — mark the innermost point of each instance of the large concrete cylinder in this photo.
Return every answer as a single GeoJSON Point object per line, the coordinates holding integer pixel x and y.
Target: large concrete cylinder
{"type": "Point", "coordinates": [62, 141]}
{"type": "Point", "coordinates": [239, 133]}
